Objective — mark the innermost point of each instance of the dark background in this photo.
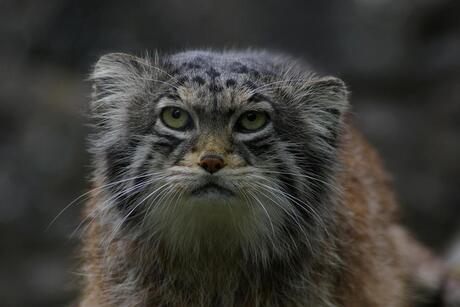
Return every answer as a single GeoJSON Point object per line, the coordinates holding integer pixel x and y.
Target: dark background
{"type": "Point", "coordinates": [401, 59]}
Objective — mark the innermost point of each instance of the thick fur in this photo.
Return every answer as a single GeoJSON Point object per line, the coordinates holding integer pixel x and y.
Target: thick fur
{"type": "Point", "coordinates": [312, 220]}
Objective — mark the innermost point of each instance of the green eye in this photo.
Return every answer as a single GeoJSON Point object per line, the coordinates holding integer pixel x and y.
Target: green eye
{"type": "Point", "coordinates": [175, 118]}
{"type": "Point", "coordinates": [252, 121]}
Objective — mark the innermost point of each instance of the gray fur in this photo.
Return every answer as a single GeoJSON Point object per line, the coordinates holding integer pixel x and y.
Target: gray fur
{"type": "Point", "coordinates": [220, 253]}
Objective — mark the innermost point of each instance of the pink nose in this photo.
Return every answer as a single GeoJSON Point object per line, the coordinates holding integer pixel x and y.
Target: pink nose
{"type": "Point", "coordinates": [212, 162]}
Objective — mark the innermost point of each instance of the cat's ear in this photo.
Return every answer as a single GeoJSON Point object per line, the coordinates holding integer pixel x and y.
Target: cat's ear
{"type": "Point", "coordinates": [325, 101]}
{"type": "Point", "coordinates": [329, 94]}
{"type": "Point", "coordinates": [115, 78]}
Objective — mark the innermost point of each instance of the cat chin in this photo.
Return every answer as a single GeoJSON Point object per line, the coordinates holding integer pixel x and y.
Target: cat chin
{"type": "Point", "coordinates": [212, 192]}
{"type": "Point", "coordinates": [211, 222]}
{"type": "Point", "coordinates": [213, 204]}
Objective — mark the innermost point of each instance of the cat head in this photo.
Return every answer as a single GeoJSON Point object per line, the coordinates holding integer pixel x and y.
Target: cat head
{"type": "Point", "coordinates": [240, 146]}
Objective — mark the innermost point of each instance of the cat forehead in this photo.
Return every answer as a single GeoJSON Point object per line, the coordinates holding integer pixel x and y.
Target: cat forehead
{"type": "Point", "coordinates": [229, 77]}
{"type": "Point", "coordinates": [206, 67]}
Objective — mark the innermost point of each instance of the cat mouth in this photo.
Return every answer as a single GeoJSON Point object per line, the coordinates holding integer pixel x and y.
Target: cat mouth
{"type": "Point", "coordinates": [212, 189]}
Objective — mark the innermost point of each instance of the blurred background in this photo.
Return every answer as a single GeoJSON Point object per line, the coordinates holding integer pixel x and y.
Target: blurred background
{"type": "Point", "coordinates": [400, 58]}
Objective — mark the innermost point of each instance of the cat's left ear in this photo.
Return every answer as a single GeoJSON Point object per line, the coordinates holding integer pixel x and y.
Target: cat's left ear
{"type": "Point", "coordinates": [325, 101]}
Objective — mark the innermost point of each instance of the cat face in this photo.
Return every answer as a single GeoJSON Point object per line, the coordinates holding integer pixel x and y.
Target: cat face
{"type": "Point", "coordinates": [199, 143]}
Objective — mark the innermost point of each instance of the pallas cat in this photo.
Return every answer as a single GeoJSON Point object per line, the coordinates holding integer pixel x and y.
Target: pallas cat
{"type": "Point", "coordinates": [238, 179]}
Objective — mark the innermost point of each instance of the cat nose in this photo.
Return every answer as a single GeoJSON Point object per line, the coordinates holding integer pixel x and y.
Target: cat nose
{"type": "Point", "coordinates": [211, 162]}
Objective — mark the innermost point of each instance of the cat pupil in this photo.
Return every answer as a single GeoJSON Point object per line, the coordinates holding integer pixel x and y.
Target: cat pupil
{"type": "Point", "coordinates": [251, 116]}
{"type": "Point", "coordinates": [176, 113]}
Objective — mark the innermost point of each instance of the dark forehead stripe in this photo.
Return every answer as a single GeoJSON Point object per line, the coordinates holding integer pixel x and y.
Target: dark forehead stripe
{"type": "Point", "coordinates": [195, 63]}
{"type": "Point", "coordinates": [212, 72]}
{"type": "Point", "coordinates": [239, 68]}
{"type": "Point", "coordinates": [199, 80]}
{"type": "Point", "coordinates": [230, 83]}
{"type": "Point", "coordinates": [215, 87]}
{"type": "Point", "coordinates": [191, 65]}
{"type": "Point", "coordinates": [254, 73]}
{"type": "Point", "coordinates": [183, 79]}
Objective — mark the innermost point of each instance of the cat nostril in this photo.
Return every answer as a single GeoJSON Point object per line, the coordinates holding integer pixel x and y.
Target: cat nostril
{"type": "Point", "coordinates": [212, 163]}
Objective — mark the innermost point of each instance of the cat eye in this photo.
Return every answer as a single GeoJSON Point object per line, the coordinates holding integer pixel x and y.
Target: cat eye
{"type": "Point", "coordinates": [175, 118]}
{"type": "Point", "coordinates": [252, 121]}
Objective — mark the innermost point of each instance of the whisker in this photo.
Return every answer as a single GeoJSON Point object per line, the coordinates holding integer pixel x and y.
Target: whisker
{"type": "Point", "coordinates": [268, 216]}
{"type": "Point", "coordinates": [118, 226]}
{"type": "Point", "coordinates": [111, 200]}
{"type": "Point", "coordinates": [150, 65]}
{"type": "Point", "coordinates": [156, 202]}
{"type": "Point", "coordinates": [160, 81]}
{"type": "Point", "coordinates": [329, 185]}
{"type": "Point", "coordinates": [163, 197]}
{"type": "Point", "coordinates": [309, 209]}
{"type": "Point", "coordinates": [86, 194]}
{"type": "Point", "coordinates": [278, 83]}
{"type": "Point", "coordinates": [292, 214]}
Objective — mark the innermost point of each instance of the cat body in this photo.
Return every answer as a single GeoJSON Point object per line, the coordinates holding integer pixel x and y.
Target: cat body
{"type": "Point", "coordinates": [238, 179]}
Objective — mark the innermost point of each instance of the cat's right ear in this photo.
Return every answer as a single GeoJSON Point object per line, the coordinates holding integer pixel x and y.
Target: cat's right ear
{"type": "Point", "coordinates": [115, 78]}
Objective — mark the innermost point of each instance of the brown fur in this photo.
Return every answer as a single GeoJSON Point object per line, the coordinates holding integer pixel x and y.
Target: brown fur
{"type": "Point", "coordinates": [382, 259]}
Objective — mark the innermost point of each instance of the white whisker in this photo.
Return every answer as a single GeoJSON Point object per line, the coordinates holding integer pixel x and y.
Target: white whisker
{"type": "Point", "coordinates": [88, 193]}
